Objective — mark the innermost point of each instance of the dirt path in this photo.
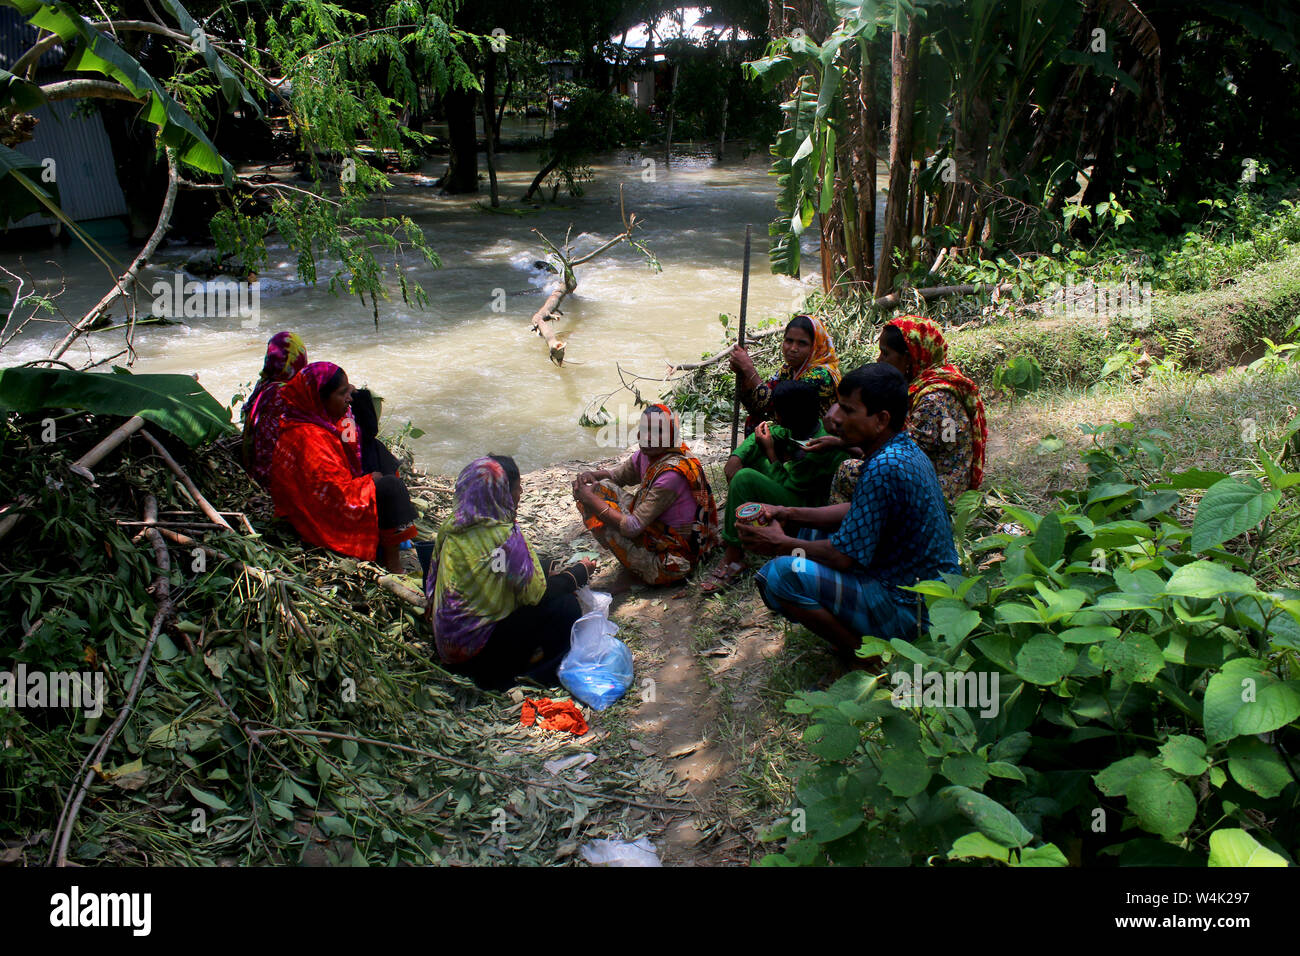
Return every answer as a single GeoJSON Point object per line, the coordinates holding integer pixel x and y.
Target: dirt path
{"type": "Point", "coordinates": [679, 713]}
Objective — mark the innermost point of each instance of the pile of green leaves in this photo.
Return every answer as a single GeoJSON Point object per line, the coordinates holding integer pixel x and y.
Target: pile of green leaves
{"type": "Point", "coordinates": [270, 639]}
{"type": "Point", "coordinates": [1147, 693]}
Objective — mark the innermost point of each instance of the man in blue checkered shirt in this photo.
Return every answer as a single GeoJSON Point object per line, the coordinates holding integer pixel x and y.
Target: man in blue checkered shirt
{"type": "Point", "coordinates": [842, 576]}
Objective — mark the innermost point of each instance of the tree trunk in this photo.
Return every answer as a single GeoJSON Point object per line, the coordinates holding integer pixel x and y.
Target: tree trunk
{"type": "Point", "coordinates": [505, 98]}
{"type": "Point", "coordinates": [865, 168]}
{"type": "Point", "coordinates": [903, 86]}
{"type": "Point", "coordinates": [489, 121]}
{"type": "Point", "coordinates": [672, 112]}
{"type": "Point", "coordinates": [462, 164]}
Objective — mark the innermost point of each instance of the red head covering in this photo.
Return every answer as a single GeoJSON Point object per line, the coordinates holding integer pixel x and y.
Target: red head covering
{"type": "Point", "coordinates": [305, 403]}
{"type": "Point", "coordinates": [931, 371]}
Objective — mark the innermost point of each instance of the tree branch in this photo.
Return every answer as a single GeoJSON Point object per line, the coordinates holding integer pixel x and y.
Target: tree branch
{"type": "Point", "coordinates": [126, 282]}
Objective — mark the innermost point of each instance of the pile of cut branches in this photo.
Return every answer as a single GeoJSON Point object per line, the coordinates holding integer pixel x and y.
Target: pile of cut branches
{"type": "Point", "coordinates": [262, 703]}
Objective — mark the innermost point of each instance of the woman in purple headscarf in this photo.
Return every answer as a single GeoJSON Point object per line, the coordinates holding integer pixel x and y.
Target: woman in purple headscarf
{"type": "Point", "coordinates": [285, 357]}
{"type": "Point", "coordinates": [495, 616]}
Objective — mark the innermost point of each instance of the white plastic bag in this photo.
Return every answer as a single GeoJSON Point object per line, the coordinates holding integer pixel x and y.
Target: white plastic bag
{"type": "Point", "coordinates": [621, 853]}
{"type": "Point", "coordinates": [598, 667]}
{"type": "Point", "coordinates": [590, 600]}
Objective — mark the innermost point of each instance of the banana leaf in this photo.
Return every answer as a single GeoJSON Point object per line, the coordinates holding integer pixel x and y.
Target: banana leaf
{"type": "Point", "coordinates": [96, 52]}
{"type": "Point", "coordinates": [19, 194]}
{"type": "Point", "coordinates": [176, 403]}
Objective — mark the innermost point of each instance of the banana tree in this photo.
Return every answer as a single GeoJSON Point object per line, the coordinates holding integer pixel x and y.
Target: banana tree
{"type": "Point", "coordinates": [825, 156]}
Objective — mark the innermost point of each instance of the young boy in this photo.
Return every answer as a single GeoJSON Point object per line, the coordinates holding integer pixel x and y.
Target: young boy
{"type": "Point", "coordinates": [773, 466]}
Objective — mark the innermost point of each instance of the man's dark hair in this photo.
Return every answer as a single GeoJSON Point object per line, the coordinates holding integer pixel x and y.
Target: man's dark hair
{"type": "Point", "coordinates": [798, 404]}
{"type": "Point", "coordinates": [509, 467]}
{"type": "Point", "coordinates": [803, 324]}
{"type": "Point", "coordinates": [881, 388]}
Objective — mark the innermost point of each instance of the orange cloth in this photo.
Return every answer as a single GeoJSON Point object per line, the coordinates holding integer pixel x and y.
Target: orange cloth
{"type": "Point", "coordinates": [555, 715]}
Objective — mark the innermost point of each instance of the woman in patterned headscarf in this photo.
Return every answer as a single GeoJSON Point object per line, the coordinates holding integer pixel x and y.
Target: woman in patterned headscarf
{"type": "Point", "coordinates": [947, 415]}
{"type": "Point", "coordinates": [494, 615]}
{"type": "Point", "coordinates": [285, 357]}
{"type": "Point", "coordinates": [807, 354]}
{"type": "Point", "coordinates": [317, 479]}
{"type": "Point", "coordinates": [661, 532]}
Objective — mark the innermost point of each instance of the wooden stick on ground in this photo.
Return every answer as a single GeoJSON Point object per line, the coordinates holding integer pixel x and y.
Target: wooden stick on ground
{"type": "Point", "coordinates": [213, 515]}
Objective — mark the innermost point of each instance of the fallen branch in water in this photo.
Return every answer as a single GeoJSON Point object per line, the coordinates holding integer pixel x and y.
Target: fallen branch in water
{"type": "Point", "coordinates": [541, 321]}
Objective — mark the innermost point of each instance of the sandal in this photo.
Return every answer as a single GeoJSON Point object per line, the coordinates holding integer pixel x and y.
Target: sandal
{"type": "Point", "coordinates": [723, 576]}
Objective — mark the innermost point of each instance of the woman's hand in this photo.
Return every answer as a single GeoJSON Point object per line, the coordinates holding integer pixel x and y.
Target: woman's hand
{"type": "Point", "coordinates": [591, 477]}
{"type": "Point", "coordinates": [743, 366]}
{"type": "Point", "coordinates": [824, 443]}
{"type": "Point", "coordinates": [590, 565]}
{"type": "Point", "coordinates": [763, 435]}
{"type": "Point", "coordinates": [775, 514]}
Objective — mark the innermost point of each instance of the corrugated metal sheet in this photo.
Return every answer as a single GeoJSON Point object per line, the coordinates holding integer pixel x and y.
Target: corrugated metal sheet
{"type": "Point", "coordinates": [83, 162]}
{"type": "Point", "coordinates": [17, 36]}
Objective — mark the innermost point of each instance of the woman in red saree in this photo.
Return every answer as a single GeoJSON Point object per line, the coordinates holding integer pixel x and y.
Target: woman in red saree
{"type": "Point", "coordinates": [660, 532]}
{"type": "Point", "coordinates": [317, 481]}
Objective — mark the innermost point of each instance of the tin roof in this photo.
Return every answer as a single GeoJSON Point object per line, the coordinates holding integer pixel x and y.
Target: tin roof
{"type": "Point", "coordinates": [84, 169]}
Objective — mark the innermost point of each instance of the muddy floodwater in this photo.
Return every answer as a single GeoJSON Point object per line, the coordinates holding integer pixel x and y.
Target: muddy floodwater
{"type": "Point", "coordinates": [466, 369]}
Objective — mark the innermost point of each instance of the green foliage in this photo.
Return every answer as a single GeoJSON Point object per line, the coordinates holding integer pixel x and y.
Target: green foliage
{"type": "Point", "coordinates": [1122, 697]}
{"type": "Point", "coordinates": [176, 403]}
{"type": "Point", "coordinates": [1019, 375]}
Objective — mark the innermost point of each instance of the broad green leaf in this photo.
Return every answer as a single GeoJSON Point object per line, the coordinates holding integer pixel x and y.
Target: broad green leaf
{"type": "Point", "coordinates": [1184, 755]}
{"type": "Point", "coordinates": [1158, 503]}
{"type": "Point", "coordinates": [1008, 771]}
{"type": "Point", "coordinates": [905, 772]}
{"type": "Point", "coordinates": [1257, 766]}
{"type": "Point", "coordinates": [1018, 614]}
{"type": "Point", "coordinates": [1044, 660]}
{"type": "Point", "coordinates": [1047, 855]}
{"type": "Point", "coordinates": [1206, 579]}
{"type": "Point", "coordinates": [952, 622]}
{"type": "Point", "coordinates": [832, 741]}
{"type": "Point", "coordinates": [993, 819]}
{"type": "Point", "coordinates": [967, 770]}
{"type": "Point", "coordinates": [1244, 697]}
{"type": "Point", "coordinates": [96, 52]}
{"type": "Point", "coordinates": [1088, 635]}
{"type": "Point", "coordinates": [1234, 847]}
{"type": "Point", "coordinates": [1193, 479]}
{"type": "Point", "coordinates": [176, 403]}
{"type": "Point", "coordinates": [1049, 540]}
{"type": "Point", "coordinates": [976, 846]}
{"type": "Point", "coordinates": [1114, 780]}
{"type": "Point", "coordinates": [1228, 509]}
{"type": "Point", "coordinates": [207, 799]}
{"type": "Point", "coordinates": [1136, 658]}
{"type": "Point", "coordinates": [1161, 803]}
